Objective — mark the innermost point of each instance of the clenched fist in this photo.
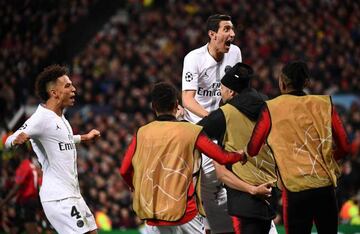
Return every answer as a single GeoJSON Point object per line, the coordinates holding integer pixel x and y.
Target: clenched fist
{"type": "Point", "coordinates": [21, 139]}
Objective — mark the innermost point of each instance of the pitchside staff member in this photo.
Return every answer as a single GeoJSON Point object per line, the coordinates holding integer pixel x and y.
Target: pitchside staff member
{"type": "Point", "coordinates": [162, 165]}
{"type": "Point", "coordinates": [249, 185]}
{"type": "Point", "coordinates": [301, 131]}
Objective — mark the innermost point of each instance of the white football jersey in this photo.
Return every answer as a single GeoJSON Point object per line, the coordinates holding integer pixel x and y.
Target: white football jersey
{"type": "Point", "coordinates": [201, 72]}
{"type": "Point", "coordinates": [52, 140]}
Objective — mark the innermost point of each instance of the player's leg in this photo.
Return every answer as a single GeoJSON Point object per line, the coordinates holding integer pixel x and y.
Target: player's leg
{"type": "Point", "coordinates": [245, 225]}
{"type": "Point", "coordinates": [326, 211]}
{"type": "Point", "coordinates": [297, 212]}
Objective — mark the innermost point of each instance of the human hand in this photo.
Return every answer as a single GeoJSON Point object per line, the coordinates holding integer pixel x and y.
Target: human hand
{"type": "Point", "coordinates": [21, 139]}
{"type": "Point", "coordinates": [179, 112]}
{"type": "Point", "coordinates": [91, 135]}
{"type": "Point", "coordinates": [244, 156]}
{"type": "Point", "coordinates": [263, 190]}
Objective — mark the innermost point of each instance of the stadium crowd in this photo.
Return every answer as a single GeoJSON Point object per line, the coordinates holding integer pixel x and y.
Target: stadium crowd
{"type": "Point", "coordinates": [30, 30]}
{"type": "Point", "coordinates": [144, 44]}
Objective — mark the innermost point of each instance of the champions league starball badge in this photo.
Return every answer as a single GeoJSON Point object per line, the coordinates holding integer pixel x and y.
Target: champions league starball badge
{"type": "Point", "coordinates": [188, 76]}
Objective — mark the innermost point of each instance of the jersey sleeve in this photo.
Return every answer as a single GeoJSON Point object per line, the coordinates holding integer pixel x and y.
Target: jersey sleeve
{"type": "Point", "coordinates": [340, 137]}
{"type": "Point", "coordinates": [260, 133]}
{"type": "Point", "coordinates": [239, 57]}
{"type": "Point", "coordinates": [126, 169]}
{"type": "Point", "coordinates": [33, 127]}
{"type": "Point", "coordinates": [190, 73]}
{"type": "Point", "coordinates": [212, 150]}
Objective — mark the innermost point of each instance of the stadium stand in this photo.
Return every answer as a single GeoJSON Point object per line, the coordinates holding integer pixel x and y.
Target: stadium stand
{"type": "Point", "coordinates": [145, 43]}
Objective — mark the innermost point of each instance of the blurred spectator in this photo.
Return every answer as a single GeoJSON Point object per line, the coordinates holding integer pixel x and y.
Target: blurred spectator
{"type": "Point", "coordinates": [25, 190]}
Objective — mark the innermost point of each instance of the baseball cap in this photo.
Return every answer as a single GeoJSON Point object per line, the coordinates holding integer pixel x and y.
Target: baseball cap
{"type": "Point", "coordinates": [238, 77]}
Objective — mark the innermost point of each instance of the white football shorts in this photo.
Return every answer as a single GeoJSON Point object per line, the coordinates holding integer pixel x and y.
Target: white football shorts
{"type": "Point", "coordinates": [195, 226]}
{"type": "Point", "coordinates": [69, 216]}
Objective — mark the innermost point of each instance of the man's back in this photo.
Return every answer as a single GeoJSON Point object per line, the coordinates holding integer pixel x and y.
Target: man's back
{"type": "Point", "coordinates": [164, 164]}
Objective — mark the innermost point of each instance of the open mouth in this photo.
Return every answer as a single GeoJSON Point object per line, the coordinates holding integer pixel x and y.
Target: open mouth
{"type": "Point", "coordinates": [228, 43]}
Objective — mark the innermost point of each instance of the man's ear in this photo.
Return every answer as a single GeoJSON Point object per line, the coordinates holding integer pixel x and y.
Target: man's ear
{"type": "Point", "coordinates": [212, 34]}
{"type": "Point", "coordinates": [51, 90]}
{"type": "Point", "coordinates": [232, 92]}
{"type": "Point", "coordinates": [52, 93]}
{"type": "Point", "coordinates": [282, 84]}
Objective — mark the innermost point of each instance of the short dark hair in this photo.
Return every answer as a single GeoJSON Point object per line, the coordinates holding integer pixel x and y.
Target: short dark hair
{"type": "Point", "coordinates": [164, 97]}
{"type": "Point", "coordinates": [296, 74]}
{"type": "Point", "coordinates": [213, 21]}
{"type": "Point", "coordinates": [48, 75]}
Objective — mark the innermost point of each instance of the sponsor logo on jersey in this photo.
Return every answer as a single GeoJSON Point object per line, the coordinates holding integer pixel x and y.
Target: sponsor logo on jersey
{"type": "Point", "coordinates": [57, 127]}
{"type": "Point", "coordinates": [213, 91]}
{"type": "Point", "coordinates": [66, 146]}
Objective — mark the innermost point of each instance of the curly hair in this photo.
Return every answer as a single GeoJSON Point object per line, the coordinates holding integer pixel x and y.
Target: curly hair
{"type": "Point", "coordinates": [164, 96]}
{"type": "Point", "coordinates": [48, 75]}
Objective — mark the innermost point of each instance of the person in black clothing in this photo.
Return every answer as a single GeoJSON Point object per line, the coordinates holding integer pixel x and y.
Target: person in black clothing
{"type": "Point", "coordinates": [249, 185]}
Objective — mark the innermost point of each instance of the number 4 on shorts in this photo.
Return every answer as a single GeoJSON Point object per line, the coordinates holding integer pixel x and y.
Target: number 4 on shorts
{"type": "Point", "coordinates": [75, 212]}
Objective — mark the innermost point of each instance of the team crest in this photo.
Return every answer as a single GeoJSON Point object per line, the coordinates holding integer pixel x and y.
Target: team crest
{"type": "Point", "coordinates": [80, 223]}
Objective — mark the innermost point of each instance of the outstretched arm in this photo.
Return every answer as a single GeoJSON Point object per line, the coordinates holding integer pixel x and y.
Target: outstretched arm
{"type": "Point", "coordinates": [32, 128]}
{"type": "Point", "coordinates": [234, 182]}
{"type": "Point", "coordinates": [87, 137]}
{"type": "Point", "coordinates": [212, 150]}
{"type": "Point", "coordinates": [16, 139]}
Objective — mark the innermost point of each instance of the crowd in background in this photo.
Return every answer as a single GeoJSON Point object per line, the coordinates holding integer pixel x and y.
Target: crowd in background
{"type": "Point", "coordinates": [141, 45]}
{"type": "Point", "coordinates": [30, 30]}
